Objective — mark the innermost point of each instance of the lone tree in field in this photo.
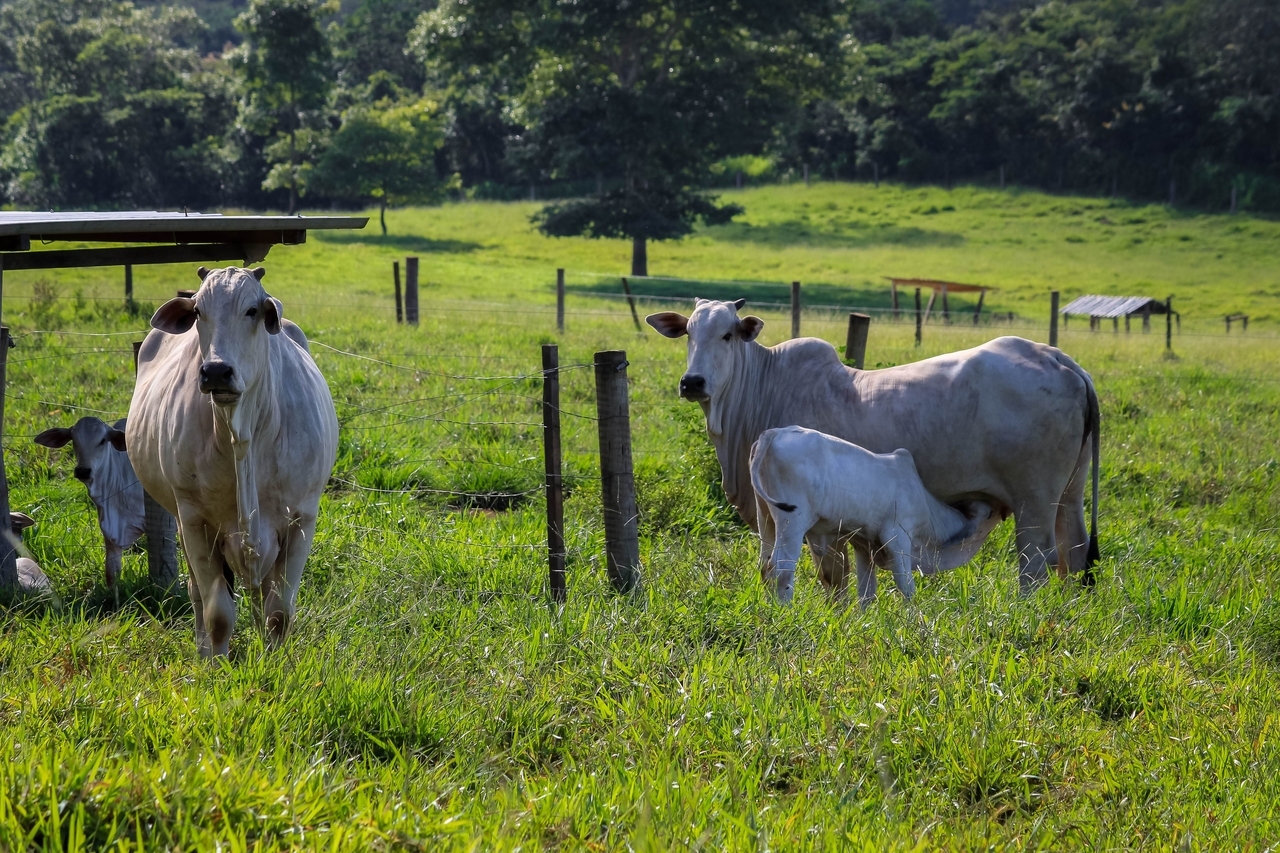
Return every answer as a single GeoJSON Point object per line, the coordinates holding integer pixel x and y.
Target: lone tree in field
{"type": "Point", "coordinates": [284, 65]}
{"type": "Point", "coordinates": [385, 151]}
{"type": "Point", "coordinates": [646, 95]}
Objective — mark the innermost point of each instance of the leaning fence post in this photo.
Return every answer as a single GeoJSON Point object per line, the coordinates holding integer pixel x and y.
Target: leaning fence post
{"type": "Point", "coordinates": [554, 480]}
{"type": "Point", "coordinates": [855, 345]}
{"type": "Point", "coordinates": [162, 531]}
{"type": "Point", "coordinates": [1053, 318]}
{"type": "Point", "coordinates": [395, 275]}
{"type": "Point", "coordinates": [560, 301]}
{"type": "Point", "coordinates": [631, 301]}
{"type": "Point", "coordinates": [411, 291]}
{"type": "Point", "coordinates": [919, 317]}
{"type": "Point", "coordinates": [8, 552]}
{"type": "Point", "coordinates": [795, 309]}
{"type": "Point", "coordinates": [617, 477]}
{"type": "Point", "coordinates": [1168, 323]}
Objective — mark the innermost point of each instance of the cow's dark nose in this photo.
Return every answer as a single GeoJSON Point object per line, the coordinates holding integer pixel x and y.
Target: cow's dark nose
{"type": "Point", "coordinates": [83, 474]}
{"type": "Point", "coordinates": [692, 385]}
{"type": "Point", "coordinates": [215, 376]}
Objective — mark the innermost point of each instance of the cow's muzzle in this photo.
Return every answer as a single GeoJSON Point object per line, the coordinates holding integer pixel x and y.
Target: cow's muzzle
{"type": "Point", "coordinates": [693, 387]}
{"type": "Point", "coordinates": [218, 379]}
{"type": "Point", "coordinates": [83, 474]}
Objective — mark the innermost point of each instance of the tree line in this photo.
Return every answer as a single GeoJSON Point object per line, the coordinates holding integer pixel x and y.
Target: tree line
{"type": "Point", "coordinates": [623, 115]}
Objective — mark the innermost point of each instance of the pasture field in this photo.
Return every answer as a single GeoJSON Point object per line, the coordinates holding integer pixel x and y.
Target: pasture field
{"type": "Point", "coordinates": [430, 699]}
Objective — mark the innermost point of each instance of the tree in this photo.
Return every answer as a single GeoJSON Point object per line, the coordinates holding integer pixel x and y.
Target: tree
{"type": "Point", "coordinates": [385, 151]}
{"type": "Point", "coordinates": [648, 94]}
{"type": "Point", "coordinates": [285, 69]}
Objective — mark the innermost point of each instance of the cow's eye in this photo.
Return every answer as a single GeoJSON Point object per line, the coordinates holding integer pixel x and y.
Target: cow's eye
{"type": "Point", "coordinates": [728, 335]}
{"type": "Point", "coordinates": [252, 312]}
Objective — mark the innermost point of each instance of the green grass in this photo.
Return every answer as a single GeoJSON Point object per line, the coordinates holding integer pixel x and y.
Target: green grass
{"type": "Point", "coordinates": [430, 699]}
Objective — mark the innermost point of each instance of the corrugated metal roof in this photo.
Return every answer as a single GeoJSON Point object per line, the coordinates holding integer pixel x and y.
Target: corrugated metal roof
{"type": "Point", "coordinates": [73, 224]}
{"type": "Point", "coordinates": [1112, 306]}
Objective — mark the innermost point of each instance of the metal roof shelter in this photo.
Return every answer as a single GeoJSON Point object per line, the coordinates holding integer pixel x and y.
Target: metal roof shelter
{"type": "Point", "coordinates": [943, 287]}
{"type": "Point", "coordinates": [1114, 306]}
{"type": "Point", "coordinates": [167, 238]}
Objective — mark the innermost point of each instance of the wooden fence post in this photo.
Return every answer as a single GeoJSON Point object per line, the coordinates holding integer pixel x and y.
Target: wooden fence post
{"type": "Point", "coordinates": [395, 276]}
{"type": "Point", "coordinates": [919, 317]}
{"type": "Point", "coordinates": [617, 478]}
{"type": "Point", "coordinates": [795, 309]}
{"type": "Point", "coordinates": [128, 287]}
{"type": "Point", "coordinates": [635, 318]}
{"type": "Point", "coordinates": [855, 345]}
{"type": "Point", "coordinates": [1053, 318]}
{"type": "Point", "coordinates": [893, 295]}
{"type": "Point", "coordinates": [560, 301]}
{"type": "Point", "coordinates": [411, 291]}
{"type": "Point", "coordinates": [1146, 319]}
{"type": "Point", "coordinates": [946, 310]}
{"type": "Point", "coordinates": [1168, 323]}
{"type": "Point", "coordinates": [8, 551]}
{"type": "Point", "coordinates": [554, 479]}
{"type": "Point", "coordinates": [162, 531]}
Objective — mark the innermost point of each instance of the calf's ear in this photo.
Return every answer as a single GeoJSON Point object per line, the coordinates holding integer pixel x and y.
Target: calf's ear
{"type": "Point", "coordinates": [202, 272]}
{"type": "Point", "coordinates": [272, 311]}
{"type": "Point", "coordinates": [669, 324]}
{"type": "Point", "coordinates": [116, 437]}
{"type": "Point", "coordinates": [176, 316]}
{"type": "Point", "coordinates": [56, 437]}
{"type": "Point", "coordinates": [20, 521]}
{"type": "Point", "coordinates": [749, 327]}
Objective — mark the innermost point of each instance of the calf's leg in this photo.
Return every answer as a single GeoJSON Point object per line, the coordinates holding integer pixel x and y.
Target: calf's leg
{"type": "Point", "coordinates": [768, 533]}
{"type": "Point", "coordinates": [866, 570]}
{"type": "Point", "coordinates": [898, 548]}
{"type": "Point", "coordinates": [786, 553]}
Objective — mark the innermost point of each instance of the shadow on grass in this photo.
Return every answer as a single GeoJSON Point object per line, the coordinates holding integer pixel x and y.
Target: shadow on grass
{"type": "Point", "coordinates": [852, 235]}
{"type": "Point", "coordinates": [403, 242]}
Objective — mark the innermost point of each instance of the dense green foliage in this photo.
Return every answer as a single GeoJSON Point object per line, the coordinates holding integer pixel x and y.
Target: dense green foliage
{"type": "Point", "coordinates": [430, 699]}
{"type": "Point", "coordinates": [117, 105]}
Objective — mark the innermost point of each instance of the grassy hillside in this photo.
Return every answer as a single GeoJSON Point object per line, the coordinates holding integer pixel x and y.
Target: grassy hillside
{"type": "Point", "coordinates": [429, 699]}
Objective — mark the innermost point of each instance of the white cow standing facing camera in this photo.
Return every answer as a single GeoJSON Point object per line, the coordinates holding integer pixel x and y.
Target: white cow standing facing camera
{"type": "Point", "coordinates": [810, 483]}
{"type": "Point", "coordinates": [232, 429]}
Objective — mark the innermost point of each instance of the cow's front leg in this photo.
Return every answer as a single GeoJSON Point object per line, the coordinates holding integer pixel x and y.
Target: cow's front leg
{"type": "Point", "coordinates": [114, 561]}
{"type": "Point", "coordinates": [866, 571]}
{"type": "Point", "coordinates": [280, 589]}
{"type": "Point", "coordinates": [832, 561]}
{"type": "Point", "coordinates": [210, 595]}
{"type": "Point", "coordinates": [768, 535]}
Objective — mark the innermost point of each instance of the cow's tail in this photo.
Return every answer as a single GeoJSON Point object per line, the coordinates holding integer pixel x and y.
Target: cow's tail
{"type": "Point", "coordinates": [1094, 432]}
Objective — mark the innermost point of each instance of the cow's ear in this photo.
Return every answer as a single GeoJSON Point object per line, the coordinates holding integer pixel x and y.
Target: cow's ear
{"type": "Point", "coordinates": [56, 437]}
{"type": "Point", "coordinates": [20, 521]}
{"type": "Point", "coordinates": [116, 437]}
{"type": "Point", "coordinates": [738, 303]}
{"type": "Point", "coordinates": [670, 324]}
{"type": "Point", "coordinates": [176, 316]}
{"type": "Point", "coordinates": [202, 272]}
{"type": "Point", "coordinates": [258, 272]}
{"type": "Point", "coordinates": [749, 327]}
{"type": "Point", "coordinates": [272, 311]}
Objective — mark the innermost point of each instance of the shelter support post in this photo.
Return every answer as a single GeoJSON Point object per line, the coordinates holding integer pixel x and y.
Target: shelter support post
{"type": "Point", "coordinates": [1168, 323]}
{"type": "Point", "coordinates": [933, 295]}
{"type": "Point", "coordinates": [946, 309]}
{"type": "Point", "coordinates": [617, 476]}
{"type": "Point", "coordinates": [128, 286]}
{"type": "Point", "coordinates": [977, 311]}
{"type": "Point", "coordinates": [1115, 325]}
{"type": "Point", "coordinates": [855, 346]}
{"type": "Point", "coordinates": [893, 294]}
{"type": "Point", "coordinates": [795, 309]}
{"type": "Point", "coordinates": [919, 317]}
{"type": "Point", "coordinates": [1146, 319]}
{"type": "Point", "coordinates": [1053, 318]}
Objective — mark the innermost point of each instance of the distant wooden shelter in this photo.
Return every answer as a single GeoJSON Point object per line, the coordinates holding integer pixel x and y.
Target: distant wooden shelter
{"type": "Point", "coordinates": [938, 287]}
{"type": "Point", "coordinates": [1098, 308]}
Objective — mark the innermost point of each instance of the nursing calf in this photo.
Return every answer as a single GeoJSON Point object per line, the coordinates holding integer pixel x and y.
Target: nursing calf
{"type": "Point", "coordinates": [808, 483]}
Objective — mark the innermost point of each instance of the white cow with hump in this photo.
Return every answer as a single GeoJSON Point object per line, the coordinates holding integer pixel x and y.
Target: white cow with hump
{"type": "Point", "coordinates": [103, 466]}
{"type": "Point", "coordinates": [1010, 423]}
{"type": "Point", "coordinates": [808, 483]}
{"type": "Point", "coordinates": [232, 429]}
